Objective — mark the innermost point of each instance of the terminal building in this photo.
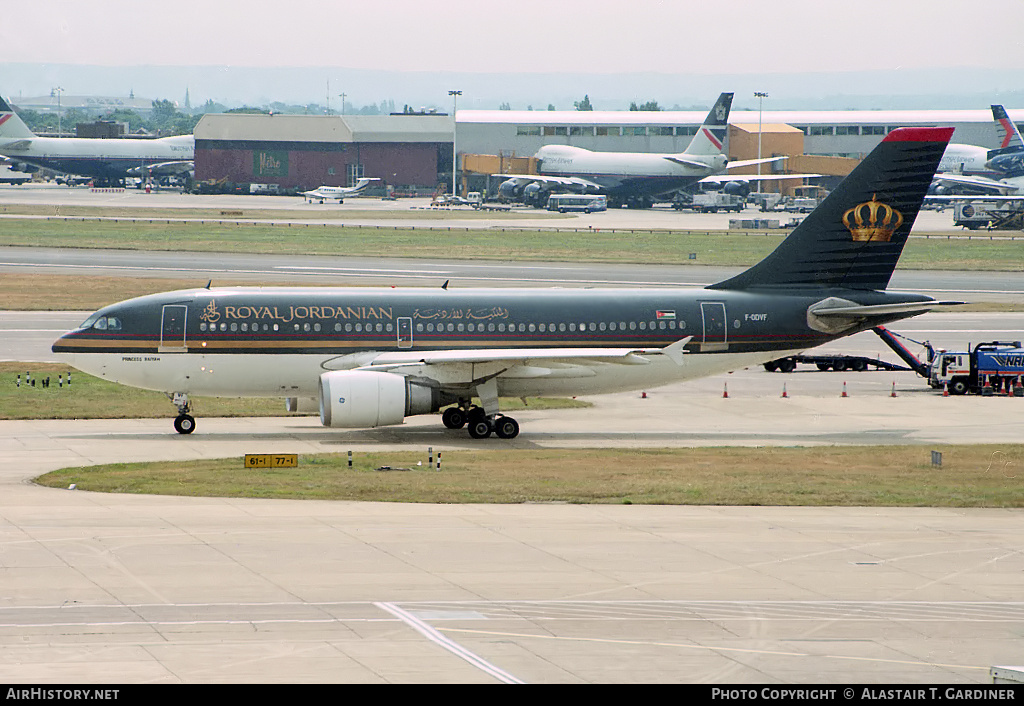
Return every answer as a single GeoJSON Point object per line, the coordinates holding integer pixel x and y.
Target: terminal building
{"type": "Point", "coordinates": [414, 151]}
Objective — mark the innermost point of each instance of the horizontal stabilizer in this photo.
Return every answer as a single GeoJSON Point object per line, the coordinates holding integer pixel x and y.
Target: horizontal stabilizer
{"type": "Point", "coordinates": [882, 309]}
{"type": "Point", "coordinates": [754, 162]}
{"type": "Point", "coordinates": [696, 164]}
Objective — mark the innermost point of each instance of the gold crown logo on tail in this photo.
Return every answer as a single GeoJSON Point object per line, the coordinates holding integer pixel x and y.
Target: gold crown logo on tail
{"type": "Point", "coordinates": [866, 226]}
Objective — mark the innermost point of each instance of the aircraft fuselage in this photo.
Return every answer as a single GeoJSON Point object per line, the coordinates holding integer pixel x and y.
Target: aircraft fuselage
{"type": "Point", "coordinates": [107, 159]}
{"type": "Point", "coordinates": [275, 342]}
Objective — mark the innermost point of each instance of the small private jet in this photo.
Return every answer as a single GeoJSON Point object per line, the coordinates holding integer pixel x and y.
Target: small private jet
{"type": "Point", "coordinates": [337, 193]}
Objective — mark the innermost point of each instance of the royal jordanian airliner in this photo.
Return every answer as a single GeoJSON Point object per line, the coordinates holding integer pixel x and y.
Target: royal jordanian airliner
{"type": "Point", "coordinates": [371, 357]}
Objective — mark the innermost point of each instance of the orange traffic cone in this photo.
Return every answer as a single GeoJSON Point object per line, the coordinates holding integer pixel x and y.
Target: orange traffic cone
{"type": "Point", "coordinates": [725, 391]}
{"type": "Point", "coordinates": [893, 393]}
{"type": "Point", "coordinates": [784, 390]}
{"type": "Point", "coordinates": [844, 390]}
{"type": "Point", "coordinates": [945, 389]}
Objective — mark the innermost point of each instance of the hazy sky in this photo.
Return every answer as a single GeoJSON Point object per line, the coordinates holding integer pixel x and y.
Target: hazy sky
{"type": "Point", "coordinates": [596, 36]}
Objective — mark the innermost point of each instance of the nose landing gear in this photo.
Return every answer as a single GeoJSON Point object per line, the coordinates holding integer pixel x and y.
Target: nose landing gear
{"type": "Point", "coordinates": [184, 423]}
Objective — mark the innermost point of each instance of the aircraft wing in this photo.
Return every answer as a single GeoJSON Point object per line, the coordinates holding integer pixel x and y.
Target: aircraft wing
{"type": "Point", "coordinates": [570, 182]}
{"type": "Point", "coordinates": [163, 168]}
{"type": "Point", "coordinates": [974, 182]}
{"type": "Point", "coordinates": [539, 358]}
{"type": "Point", "coordinates": [722, 178]}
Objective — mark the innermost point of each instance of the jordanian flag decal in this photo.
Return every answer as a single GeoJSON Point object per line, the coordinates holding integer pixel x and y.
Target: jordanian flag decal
{"type": "Point", "coordinates": [666, 315]}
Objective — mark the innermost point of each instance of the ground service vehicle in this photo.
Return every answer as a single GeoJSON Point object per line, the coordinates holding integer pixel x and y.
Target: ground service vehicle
{"type": "Point", "coordinates": [587, 203]}
{"type": "Point", "coordinates": [988, 368]}
{"type": "Point", "coordinates": [713, 202]}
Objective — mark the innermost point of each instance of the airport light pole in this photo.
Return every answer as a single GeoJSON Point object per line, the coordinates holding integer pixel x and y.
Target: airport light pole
{"type": "Point", "coordinates": [760, 104]}
{"type": "Point", "coordinates": [455, 153]}
{"type": "Point", "coordinates": [56, 92]}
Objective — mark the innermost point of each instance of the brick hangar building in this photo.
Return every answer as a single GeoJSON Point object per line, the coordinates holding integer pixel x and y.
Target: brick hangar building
{"type": "Point", "coordinates": [407, 151]}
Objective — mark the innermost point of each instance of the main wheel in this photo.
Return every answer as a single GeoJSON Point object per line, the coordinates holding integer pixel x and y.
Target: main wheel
{"type": "Point", "coordinates": [184, 424]}
{"type": "Point", "coordinates": [958, 386]}
{"type": "Point", "coordinates": [454, 418]}
{"type": "Point", "coordinates": [506, 428]}
{"type": "Point", "coordinates": [480, 429]}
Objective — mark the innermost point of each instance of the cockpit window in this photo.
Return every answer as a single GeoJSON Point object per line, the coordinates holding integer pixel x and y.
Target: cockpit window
{"type": "Point", "coordinates": [107, 323]}
{"type": "Point", "coordinates": [89, 322]}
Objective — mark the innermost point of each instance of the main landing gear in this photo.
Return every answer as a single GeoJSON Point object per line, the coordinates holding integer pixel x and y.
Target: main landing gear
{"type": "Point", "coordinates": [480, 425]}
{"type": "Point", "coordinates": [184, 423]}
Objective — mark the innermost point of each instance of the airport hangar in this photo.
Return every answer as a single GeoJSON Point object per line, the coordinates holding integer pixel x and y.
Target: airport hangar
{"type": "Point", "coordinates": [413, 152]}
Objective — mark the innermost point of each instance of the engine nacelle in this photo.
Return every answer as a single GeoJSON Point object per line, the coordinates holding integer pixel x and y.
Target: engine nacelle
{"type": "Point", "coordinates": [366, 398]}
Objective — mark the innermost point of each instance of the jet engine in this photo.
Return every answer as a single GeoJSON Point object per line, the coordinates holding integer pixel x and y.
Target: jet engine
{"type": "Point", "coordinates": [366, 398]}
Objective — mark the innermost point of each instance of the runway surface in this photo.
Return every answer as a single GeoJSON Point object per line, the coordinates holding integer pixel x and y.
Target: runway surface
{"type": "Point", "coordinates": [100, 588]}
{"type": "Point", "coordinates": [130, 589]}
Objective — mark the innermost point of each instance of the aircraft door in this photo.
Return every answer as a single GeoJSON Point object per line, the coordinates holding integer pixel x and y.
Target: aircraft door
{"type": "Point", "coordinates": [172, 328]}
{"type": "Point", "coordinates": [715, 331]}
{"type": "Point", "coordinates": [404, 332]}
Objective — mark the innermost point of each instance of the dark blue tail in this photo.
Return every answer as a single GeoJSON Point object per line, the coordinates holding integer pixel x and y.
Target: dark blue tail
{"type": "Point", "coordinates": [854, 238]}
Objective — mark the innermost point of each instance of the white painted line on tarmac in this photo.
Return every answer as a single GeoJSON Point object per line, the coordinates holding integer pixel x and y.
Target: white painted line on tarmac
{"type": "Point", "coordinates": [447, 643]}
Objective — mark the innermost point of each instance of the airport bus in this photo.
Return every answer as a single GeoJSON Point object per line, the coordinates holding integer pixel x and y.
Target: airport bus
{"type": "Point", "coordinates": [587, 203]}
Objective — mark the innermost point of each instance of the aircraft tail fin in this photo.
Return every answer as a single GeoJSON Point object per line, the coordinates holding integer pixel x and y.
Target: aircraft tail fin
{"type": "Point", "coordinates": [710, 137]}
{"type": "Point", "coordinates": [855, 237]}
{"type": "Point", "coordinates": [1009, 136]}
{"type": "Point", "coordinates": [11, 126]}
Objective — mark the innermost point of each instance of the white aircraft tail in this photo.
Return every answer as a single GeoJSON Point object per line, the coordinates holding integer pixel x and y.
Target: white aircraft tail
{"type": "Point", "coordinates": [1009, 135]}
{"type": "Point", "coordinates": [11, 126]}
{"type": "Point", "coordinates": [710, 138]}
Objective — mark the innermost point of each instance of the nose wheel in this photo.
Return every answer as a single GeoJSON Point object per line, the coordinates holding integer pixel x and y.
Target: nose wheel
{"type": "Point", "coordinates": [184, 423]}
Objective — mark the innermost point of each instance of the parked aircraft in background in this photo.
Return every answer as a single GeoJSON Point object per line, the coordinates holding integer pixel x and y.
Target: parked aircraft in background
{"type": "Point", "coordinates": [368, 357]}
{"type": "Point", "coordinates": [336, 193]}
{"type": "Point", "coordinates": [107, 161]}
{"type": "Point", "coordinates": [1005, 163]}
{"type": "Point", "coordinates": [629, 178]}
